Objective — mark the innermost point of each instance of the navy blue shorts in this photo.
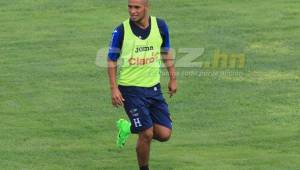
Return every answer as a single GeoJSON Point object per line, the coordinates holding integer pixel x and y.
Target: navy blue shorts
{"type": "Point", "coordinates": [145, 106]}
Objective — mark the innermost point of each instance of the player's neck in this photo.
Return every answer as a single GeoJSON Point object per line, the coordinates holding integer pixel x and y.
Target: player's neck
{"type": "Point", "coordinates": [143, 23]}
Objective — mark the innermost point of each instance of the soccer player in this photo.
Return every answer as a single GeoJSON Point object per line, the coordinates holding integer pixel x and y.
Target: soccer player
{"type": "Point", "coordinates": [137, 48]}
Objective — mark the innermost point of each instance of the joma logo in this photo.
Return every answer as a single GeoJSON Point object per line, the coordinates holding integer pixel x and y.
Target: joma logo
{"type": "Point", "coordinates": [141, 49]}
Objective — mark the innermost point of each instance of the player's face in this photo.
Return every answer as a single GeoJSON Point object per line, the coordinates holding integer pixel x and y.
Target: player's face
{"type": "Point", "coordinates": [137, 10]}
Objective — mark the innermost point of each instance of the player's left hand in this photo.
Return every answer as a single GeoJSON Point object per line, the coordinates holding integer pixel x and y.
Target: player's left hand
{"type": "Point", "coordinates": [172, 87]}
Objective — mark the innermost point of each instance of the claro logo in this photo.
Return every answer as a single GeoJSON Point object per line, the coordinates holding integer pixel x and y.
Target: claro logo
{"type": "Point", "coordinates": [142, 61]}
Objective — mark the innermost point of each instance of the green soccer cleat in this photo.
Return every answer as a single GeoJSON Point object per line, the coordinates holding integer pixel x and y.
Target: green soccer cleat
{"type": "Point", "coordinates": [124, 132]}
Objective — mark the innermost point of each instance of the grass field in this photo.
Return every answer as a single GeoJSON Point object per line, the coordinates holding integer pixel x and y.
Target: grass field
{"type": "Point", "coordinates": [55, 103]}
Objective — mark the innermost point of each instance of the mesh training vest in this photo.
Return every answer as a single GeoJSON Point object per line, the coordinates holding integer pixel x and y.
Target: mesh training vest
{"type": "Point", "coordinates": [140, 60]}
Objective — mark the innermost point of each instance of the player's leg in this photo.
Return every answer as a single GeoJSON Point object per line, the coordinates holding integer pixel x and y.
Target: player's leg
{"type": "Point", "coordinates": [162, 123]}
{"type": "Point", "coordinates": [141, 124]}
{"type": "Point", "coordinates": [136, 108]}
{"type": "Point", "coordinates": [138, 114]}
{"type": "Point", "coordinates": [161, 133]}
{"type": "Point", "coordinates": [143, 147]}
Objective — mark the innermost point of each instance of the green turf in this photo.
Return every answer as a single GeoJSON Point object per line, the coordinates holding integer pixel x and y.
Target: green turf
{"type": "Point", "coordinates": [55, 102]}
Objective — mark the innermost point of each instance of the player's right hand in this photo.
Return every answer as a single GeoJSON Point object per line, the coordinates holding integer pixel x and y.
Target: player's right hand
{"type": "Point", "coordinates": [117, 98]}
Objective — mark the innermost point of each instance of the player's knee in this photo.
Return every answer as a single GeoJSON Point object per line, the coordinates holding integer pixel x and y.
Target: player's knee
{"type": "Point", "coordinates": [164, 137]}
{"type": "Point", "coordinates": [146, 136]}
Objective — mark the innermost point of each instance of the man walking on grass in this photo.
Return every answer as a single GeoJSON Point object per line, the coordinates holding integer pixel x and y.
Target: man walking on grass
{"type": "Point", "coordinates": [139, 44]}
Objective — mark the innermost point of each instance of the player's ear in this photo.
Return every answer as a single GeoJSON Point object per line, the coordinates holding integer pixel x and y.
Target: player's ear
{"type": "Point", "coordinates": [147, 4]}
{"type": "Point", "coordinates": [147, 8]}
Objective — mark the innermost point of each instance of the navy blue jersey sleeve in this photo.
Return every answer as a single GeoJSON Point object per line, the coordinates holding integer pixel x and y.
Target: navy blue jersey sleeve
{"type": "Point", "coordinates": [116, 43]}
{"type": "Point", "coordinates": [164, 32]}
